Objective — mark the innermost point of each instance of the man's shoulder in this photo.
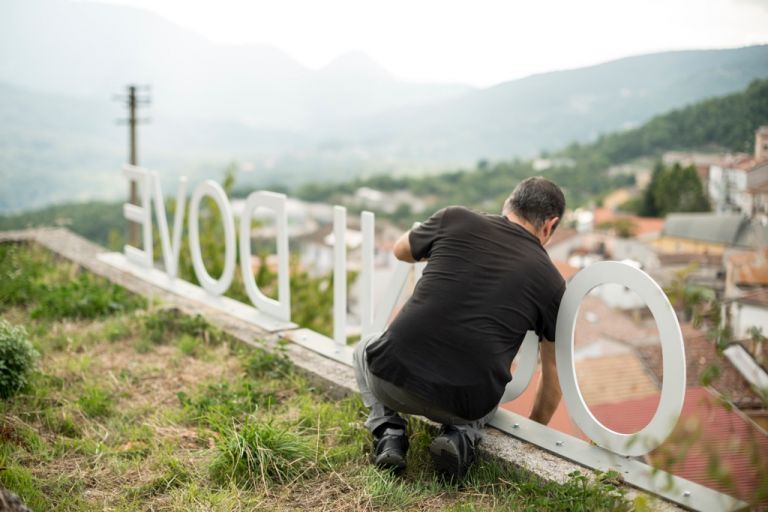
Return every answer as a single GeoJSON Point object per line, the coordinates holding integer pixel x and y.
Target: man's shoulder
{"type": "Point", "coordinates": [553, 276]}
{"type": "Point", "coordinates": [463, 212]}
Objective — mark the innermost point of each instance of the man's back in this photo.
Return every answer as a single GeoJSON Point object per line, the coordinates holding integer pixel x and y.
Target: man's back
{"type": "Point", "coordinates": [488, 281]}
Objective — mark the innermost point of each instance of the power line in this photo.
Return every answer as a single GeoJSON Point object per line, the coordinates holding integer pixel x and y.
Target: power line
{"type": "Point", "coordinates": [133, 101]}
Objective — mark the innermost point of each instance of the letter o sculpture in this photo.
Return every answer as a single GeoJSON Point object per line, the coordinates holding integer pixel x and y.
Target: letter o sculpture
{"type": "Point", "coordinates": [672, 349]}
{"type": "Point", "coordinates": [213, 190]}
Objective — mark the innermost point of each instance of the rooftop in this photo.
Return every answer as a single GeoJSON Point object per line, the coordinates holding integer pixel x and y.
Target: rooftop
{"type": "Point", "coordinates": [756, 297]}
{"type": "Point", "coordinates": [708, 432]}
{"type": "Point", "coordinates": [749, 268]}
{"type": "Point", "coordinates": [700, 355]}
{"type": "Point", "coordinates": [566, 270]}
{"type": "Point", "coordinates": [642, 226]}
{"type": "Point", "coordinates": [729, 229]}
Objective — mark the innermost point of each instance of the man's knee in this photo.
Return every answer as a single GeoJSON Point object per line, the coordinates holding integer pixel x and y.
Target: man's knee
{"type": "Point", "coordinates": [358, 354]}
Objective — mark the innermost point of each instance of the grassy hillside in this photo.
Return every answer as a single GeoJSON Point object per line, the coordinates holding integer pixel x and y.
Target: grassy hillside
{"type": "Point", "coordinates": [138, 408]}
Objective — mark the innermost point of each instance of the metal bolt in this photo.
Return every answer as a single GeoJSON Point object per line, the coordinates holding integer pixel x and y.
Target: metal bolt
{"type": "Point", "coordinates": [516, 425]}
{"type": "Point", "coordinates": [687, 494]}
{"type": "Point", "coordinates": [559, 443]}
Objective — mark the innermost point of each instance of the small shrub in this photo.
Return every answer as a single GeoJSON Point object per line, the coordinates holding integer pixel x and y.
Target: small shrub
{"type": "Point", "coordinates": [261, 454]}
{"type": "Point", "coordinates": [17, 357]}
{"type": "Point", "coordinates": [95, 402]}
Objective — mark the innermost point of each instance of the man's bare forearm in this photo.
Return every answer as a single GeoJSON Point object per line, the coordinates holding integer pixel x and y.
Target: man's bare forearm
{"type": "Point", "coordinates": [548, 395]}
{"type": "Point", "coordinates": [547, 400]}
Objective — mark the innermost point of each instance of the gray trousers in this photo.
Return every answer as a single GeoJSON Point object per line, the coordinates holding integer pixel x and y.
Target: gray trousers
{"type": "Point", "coordinates": [385, 400]}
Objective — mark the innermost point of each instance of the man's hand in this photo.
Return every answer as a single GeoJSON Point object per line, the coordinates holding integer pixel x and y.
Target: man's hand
{"type": "Point", "coordinates": [402, 248]}
{"type": "Point", "coordinates": [549, 393]}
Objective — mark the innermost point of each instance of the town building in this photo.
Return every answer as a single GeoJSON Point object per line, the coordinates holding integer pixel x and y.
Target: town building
{"type": "Point", "coordinates": [739, 183]}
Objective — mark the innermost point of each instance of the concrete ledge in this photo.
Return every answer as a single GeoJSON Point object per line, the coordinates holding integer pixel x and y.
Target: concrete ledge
{"type": "Point", "coordinates": [334, 377]}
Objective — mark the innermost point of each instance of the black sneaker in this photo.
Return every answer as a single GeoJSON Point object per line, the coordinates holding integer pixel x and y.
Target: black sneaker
{"type": "Point", "coordinates": [389, 449]}
{"type": "Point", "coordinates": [452, 452]}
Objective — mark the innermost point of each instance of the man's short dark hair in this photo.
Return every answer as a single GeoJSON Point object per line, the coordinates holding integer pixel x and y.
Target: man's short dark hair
{"type": "Point", "coordinates": [536, 199]}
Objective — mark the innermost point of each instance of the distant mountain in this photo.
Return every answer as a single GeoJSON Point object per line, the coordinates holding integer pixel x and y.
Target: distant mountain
{"type": "Point", "coordinates": [57, 148]}
{"type": "Point", "coordinates": [62, 61]}
{"type": "Point", "coordinates": [92, 49]}
{"type": "Point", "coordinates": [550, 110]}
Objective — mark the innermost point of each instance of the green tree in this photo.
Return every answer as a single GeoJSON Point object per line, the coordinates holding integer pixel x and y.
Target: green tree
{"type": "Point", "coordinates": [673, 189]}
{"type": "Point", "coordinates": [648, 206]}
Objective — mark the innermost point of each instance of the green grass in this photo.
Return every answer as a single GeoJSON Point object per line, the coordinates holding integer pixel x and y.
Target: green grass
{"type": "Point", "coordinates": [260, 454]}
{"type": "Point", "coordinates": [197, 421]}
{"type": "Point", "coordinates": [95, 401]}
{"type": "Point", "coordinates": [30, 277]}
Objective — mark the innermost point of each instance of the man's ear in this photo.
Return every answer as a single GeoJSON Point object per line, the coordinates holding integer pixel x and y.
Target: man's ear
{"type": "Point", "coordinates": [549, 227]}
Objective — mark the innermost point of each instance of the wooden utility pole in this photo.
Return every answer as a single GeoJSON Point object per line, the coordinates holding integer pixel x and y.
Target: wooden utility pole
{"type": "Point", "coordinates": [133, 102]}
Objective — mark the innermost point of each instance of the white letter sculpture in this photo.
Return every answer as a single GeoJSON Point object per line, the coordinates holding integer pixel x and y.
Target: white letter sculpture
{"type": "Point", "coordinates": [214, 191]}
{"type": "Point", "coordinates": [280, 308]}
{"type": "Point", "coordinates": [672, 349]}
{"type": "Point", "coordinates": [141, 214]}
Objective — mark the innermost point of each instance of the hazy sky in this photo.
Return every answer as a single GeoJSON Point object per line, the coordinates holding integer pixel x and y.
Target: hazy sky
{"type": "Point", "coordinates": [481, 42]}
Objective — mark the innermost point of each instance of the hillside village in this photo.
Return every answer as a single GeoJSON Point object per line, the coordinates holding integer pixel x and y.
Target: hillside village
{"type": "Point", "coordinates": [721, 254]}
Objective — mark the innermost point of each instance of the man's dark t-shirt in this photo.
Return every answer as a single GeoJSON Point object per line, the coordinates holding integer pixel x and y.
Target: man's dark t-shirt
{"type": "Point", "coordinates": [488, 281]}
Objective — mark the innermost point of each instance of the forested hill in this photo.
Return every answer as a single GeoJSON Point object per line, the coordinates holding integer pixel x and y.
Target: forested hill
{"type": "Point", "coordinates": [724, 123]}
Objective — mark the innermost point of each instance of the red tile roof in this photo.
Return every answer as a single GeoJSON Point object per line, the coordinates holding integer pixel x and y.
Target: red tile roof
{"type": "Point", "coordinates": [758, 297]}
{"type": "Point", "coordinates": [749, 268]}
{"type": "Point", "coordinates": [642, 226]}
{"type": "Point", "coordinates": [611, 324]}
{"type": "Point", "coordinates": [566, 270]}
{"type": "Point", "coordinates": [561, 234]}
{"type": "Point", "coordinates": [613, 378]}
{"type": "Point", "coordinates": [647, 225]}
{"type": "Point", "coordinates": [700, 355]}
{"type": "Point", "coordinates": [601, 380]}
{"type": "Point", "coordinates": [523, 405]}
{"type": "Point", "coordinates": [603, 215]}
{"type": "Point", "coordinates": [708, 432]}
{"type": "Point", "coordinates": [741, 161]}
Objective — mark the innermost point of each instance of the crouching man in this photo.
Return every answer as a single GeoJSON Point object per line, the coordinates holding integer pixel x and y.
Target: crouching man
{"type": "Point", "coordinates": [447, 355]}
